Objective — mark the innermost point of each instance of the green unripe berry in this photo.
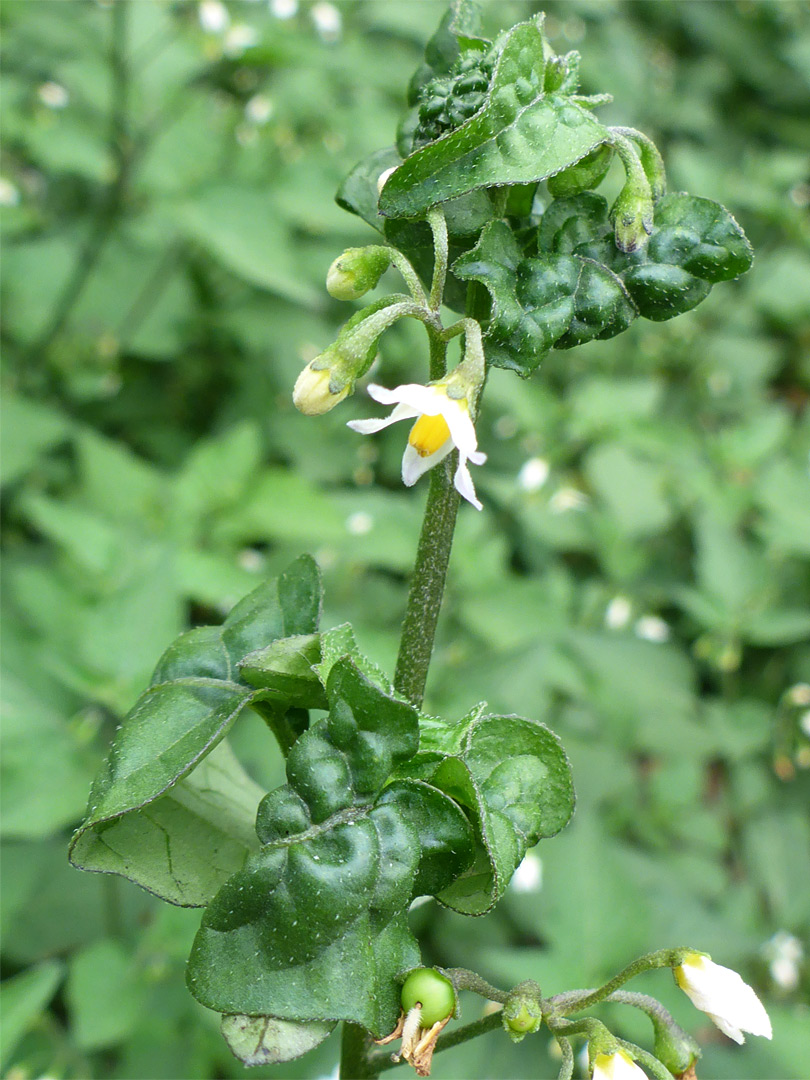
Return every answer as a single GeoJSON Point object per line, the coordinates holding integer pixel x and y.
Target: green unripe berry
{"type": "Point", "coordinates": [434, 992]}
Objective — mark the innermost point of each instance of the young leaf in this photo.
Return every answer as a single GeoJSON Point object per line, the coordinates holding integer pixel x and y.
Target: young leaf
{"type": "Point", "coordinates": [513, 777]}
{"type": "Point", "coordinates": [314, 927]}
{"type": "Point", "coordinates": [695, 243]}
{"type": "Point", "coordinates": [542, 302]}
{"type": "Point", "coordinates": [520, 135]}
{"type": "Point", "coordinates": [195, 696]}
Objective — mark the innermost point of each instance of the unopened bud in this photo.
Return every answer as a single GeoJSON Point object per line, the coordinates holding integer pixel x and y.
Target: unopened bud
{"type": "Point", "coordinates": [522, 1011]}
{"type": "Point", "coordinates": [674, 1048]}
{"type": "Point", "coordinates": [632, 215]}
{"type": "Point", "coordinates": [356, 271]}
{"type": "Point", "coordinates": [320, 387]}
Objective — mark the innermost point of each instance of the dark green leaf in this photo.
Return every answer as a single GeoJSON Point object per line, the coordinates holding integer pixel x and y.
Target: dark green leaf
{"type": "Point", "coordinates": [542, 302]}
{"type": "Point", "coordinates": [513, 777]}
{"type": "Point", "coordinates": [195, 696]}
{"type": "Point", "coordinates": [315, 925]}
{"type": "Point", "coordinates": [519, 136]}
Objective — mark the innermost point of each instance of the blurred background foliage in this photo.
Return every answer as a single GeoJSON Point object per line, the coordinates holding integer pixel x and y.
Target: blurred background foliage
{"type": "Point", "coordinates": [638, 577]}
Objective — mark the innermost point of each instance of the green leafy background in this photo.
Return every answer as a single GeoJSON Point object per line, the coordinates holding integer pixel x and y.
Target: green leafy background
{"type": "Point", "coordinates": [154, 471]}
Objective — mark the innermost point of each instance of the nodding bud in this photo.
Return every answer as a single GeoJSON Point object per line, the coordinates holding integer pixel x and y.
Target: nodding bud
{"type": "Point", "coordinates": [320, 386]}
{"type": "Point", "coordinates": [356, 271]}
{"type": "Point", "coordinates": [523, 1011]}
{"type": "Point", "coordinates": [674, 1048]}
{"type": "Point", "coordinates": [632, 215]}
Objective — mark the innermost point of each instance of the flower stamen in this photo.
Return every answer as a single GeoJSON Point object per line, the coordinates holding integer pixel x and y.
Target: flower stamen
{"type": "Point", "coordinates": [429, 434]}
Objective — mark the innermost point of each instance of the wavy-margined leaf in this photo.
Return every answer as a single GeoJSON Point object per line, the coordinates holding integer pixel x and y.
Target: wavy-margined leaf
{"type": "Point", "coordinates": [514, 778]}
{"type": "Point", "coordinates": [520, 135]}
{"type": "Point", "coordinates": [182, 840]}
{"type": "Point", "coordinates": [542, 302]}
{"type": "Point", "coordinates": [314, 927]}
{"type": "Point", "coordinates": [695, 243]}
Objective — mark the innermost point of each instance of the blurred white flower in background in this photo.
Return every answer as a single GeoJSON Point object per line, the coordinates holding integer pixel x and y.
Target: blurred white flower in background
{"type": "Point", "coordinates": [259, 109]}
{"type": "Point", "coordinates": [784, 954]}
{"type": "Point", "coordinates": [359, 523]}
{"type": "Point", "coordinates": [567, 498]}
{"type": "Point", "coordinates": [213, 16]}
{"type": "Point", "coordinates": [9, 193]}
{"type": "Point", "coordinates": [652, 628]}
{"type": "Point", "coordinates": [327, 21]}
{"type": "Point", "coordinates": [533, 474]}
{"type": "Point", "coordinates": [529, 875]}
{"type": "Point", "coordinates": [239, 38]}
{"type": "Point", "coordinates": [53, 95]}
{"type": "Point", "coordinates": [618, 612]}
{"type": "Point", "coordinates": [284, 9]}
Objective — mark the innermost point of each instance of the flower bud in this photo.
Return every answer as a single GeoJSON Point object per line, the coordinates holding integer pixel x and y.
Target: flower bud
{"type": "Point", "coordinates": [674, 1048]}
{"type": "Point", "coordinates": [632, 215]}
{"type": "Point", "coordinates": [356, 271]}
{"type": "Point", "coordinates": [382, 179]}
{"type": "Point", "coordinates": [320, 386]}
{"type": "Point", "coordinates": [522, 1012]}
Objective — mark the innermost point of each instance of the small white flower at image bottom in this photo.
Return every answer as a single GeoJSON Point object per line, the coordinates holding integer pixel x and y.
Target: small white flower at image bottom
{"type": "Point", "coordinates": [616, 1066]}
{"type": "Point", "coordinates": [442, 423]}
{"type": "Point", "coordinates": [724, 996]}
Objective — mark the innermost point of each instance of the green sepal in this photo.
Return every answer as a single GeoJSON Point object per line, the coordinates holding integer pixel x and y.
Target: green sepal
{"type": "Point", "coordinates": [543, 301]}
{"type": "Point", "coordinates": [160, 813]}
{"type": "Point", "coordinates": [315, 925]}
{"type": "Point", "coordinates": [521, 135]}
{"type": "Point", "coordinates": [513, 778]}
{"type": "Point", "coordinates": [266, 1040]}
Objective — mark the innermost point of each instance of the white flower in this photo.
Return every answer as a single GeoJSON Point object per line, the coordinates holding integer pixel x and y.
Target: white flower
{"type": "Point", "coordinates": [785, 954]}
{"type": "Point", "coordinates": [283, 9]}
{"type": "Point", "coordinates": [239, 38]}
{"type": "Point", "coordinates": [616, 1066]}
{"type": "Point", "coordinates": [53, 95]}
{"type": "Point", "coordinates": [328, 21]}
{"type": "Point", "coordinates": [567, 498]}
{"type": "Point", "coordinates": [213, 16]}
{"type": "Point", "coordinates": [533, 474]}
{"type": "Point", "coordinates": [382, 179]}
{"type": "Point", "coordinates": [723, 996]}
{"type": "Point", "coordinates": [529, 875]}
{"type": "Point", "coordinates": [443, 423]}
{"type": "Point", "coordinates": [259, 109]}
{"type": "Point", "coordinates": [359, 523]}
{"type": "Point", "coordinates": [9, 193]}
{"type": "Point", "coordinates": [651, 628]}
{"type": "Point", "coordinates": [618, 612]}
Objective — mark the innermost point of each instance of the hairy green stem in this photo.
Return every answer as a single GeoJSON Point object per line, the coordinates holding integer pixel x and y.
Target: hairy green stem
{"type": "Point", "coordinates": [438, 227]}
{"type": "Point", "coordinates": [648, 1060]}
{"type": "Point", "coordinates": [430, 569]}
{"type": "Point", "coordinates": [463, 979]}
{"type": "Point", "coordinates": [567, 1065]}
{"type": "Point", "coordinates": [580, 1000]}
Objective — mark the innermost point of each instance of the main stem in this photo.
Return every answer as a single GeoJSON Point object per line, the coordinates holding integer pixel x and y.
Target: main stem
{"type": "Point", "coordinates": [432, 559]}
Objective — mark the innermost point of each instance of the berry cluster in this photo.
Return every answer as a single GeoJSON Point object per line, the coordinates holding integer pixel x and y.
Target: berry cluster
{"type": "Point", "coordinates": [446, 101]}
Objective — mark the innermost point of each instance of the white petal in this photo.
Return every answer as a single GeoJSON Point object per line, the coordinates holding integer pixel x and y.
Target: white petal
{"type": "Point", "coordinates": [369, 427]}
{"type": "Point", "coordinates": [422, 399]}
{"type": "Point", "coordinates": [727, 1029]}
{"type": "Point", "coordinates": [461, 427]}
{"type": "Point", "coordinates": [724, 996]}
{"type": "Point", "coordinates": [464, 484]}
{"type": "Point", "coordinates": [477, 457]}
{"type": "Point", "coordinates": [414, 465]}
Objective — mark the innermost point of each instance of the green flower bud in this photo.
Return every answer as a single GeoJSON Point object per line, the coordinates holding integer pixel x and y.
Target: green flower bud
{"type": "Point", "coordinates": [632, 215]}
{"type": "Point", "coordinates": [523, 1011]}
{"type": "Point", "coordinates": [356, 271]}
{"type": "Point", "coordinates": [674, 1048]}
{"type": "Point", "coordinates": [321, 385]}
